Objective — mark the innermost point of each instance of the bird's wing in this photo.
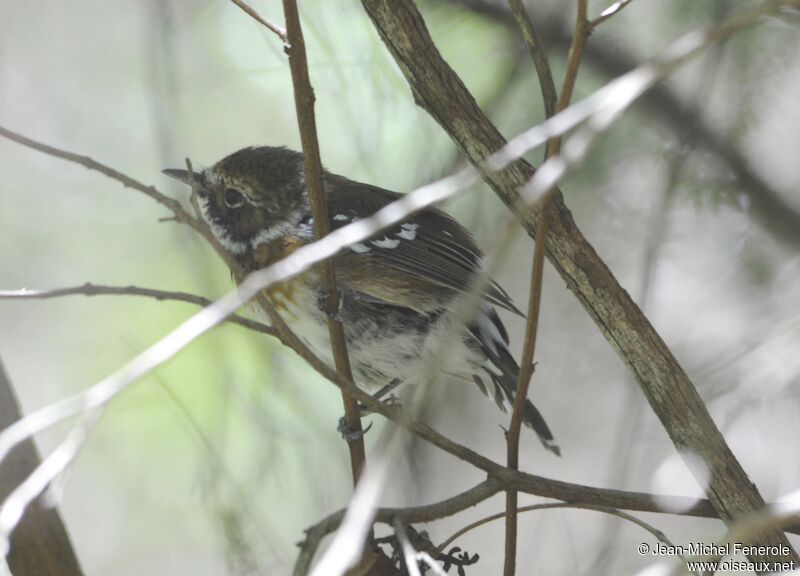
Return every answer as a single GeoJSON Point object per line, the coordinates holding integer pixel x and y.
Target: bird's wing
{"type": "Point", "coordinates": [419, 264]}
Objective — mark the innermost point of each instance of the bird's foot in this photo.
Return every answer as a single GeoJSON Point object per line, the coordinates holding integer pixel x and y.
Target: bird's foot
{"type": "Point", "coordinates": [348, 433]}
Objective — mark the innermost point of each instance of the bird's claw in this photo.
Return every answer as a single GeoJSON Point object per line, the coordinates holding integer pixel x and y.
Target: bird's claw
{"type": "Point", "coordinates": [348, 433]}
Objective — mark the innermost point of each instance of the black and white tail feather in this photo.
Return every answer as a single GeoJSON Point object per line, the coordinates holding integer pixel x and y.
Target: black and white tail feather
{"type": "Point", "coordinates": [492, 339]}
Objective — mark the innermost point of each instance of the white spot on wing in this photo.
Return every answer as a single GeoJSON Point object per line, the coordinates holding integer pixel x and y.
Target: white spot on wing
{"type": "Point", "coordinates": [386, 242]}
{"type": "Point", "coordinates": [408, 232]}
{"type": "Point", "coordinates": [446, 233]}
{"type": "Point", "coordinates": [359, 248]}
{"type": "Point", "coordinates": [341, 217]}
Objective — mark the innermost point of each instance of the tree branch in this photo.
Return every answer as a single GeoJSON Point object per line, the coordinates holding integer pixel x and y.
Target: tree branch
{"type": "Point", "coordinates": [268, 24]}
{"type": "Point", "coordinates": [658, 534]}
{"type": "Point", "coordinates": [304, 102]}
{"type": "Point", "coordinates": [671, 394]}
{"type": "Point", "coordinates": [427, 513]}
{"type": "Point", "coordinates": [525, 374]}
{"type": "Point", "coordinates": [539, 56]}
{"type": "Point", "coordinates": [40, 543]}
{"type": "Point", "coordinates": [90, 289]}
{"type": "Point", "coordinates": [608, 13]}
{"type": "Point", "coordinates": [768, 205]}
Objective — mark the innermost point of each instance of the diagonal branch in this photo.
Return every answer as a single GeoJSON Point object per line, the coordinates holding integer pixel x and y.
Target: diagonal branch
{"type": "Point", "coordinates": [268, 24]}
{"type": "Point", "coordinates": [777, 216]}
{"type": "Point", "coordinates": [40, 544]}
{"type": "Point", "coordinates": [89, 289]}
{"type": "Point", "coordinates": [673, 397]}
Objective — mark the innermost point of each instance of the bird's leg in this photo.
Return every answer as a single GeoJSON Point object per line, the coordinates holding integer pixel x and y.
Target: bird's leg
{"type": "Point", "coordinates": [391, 400]}
{"type": "Point", "coordinates": [350, 435]}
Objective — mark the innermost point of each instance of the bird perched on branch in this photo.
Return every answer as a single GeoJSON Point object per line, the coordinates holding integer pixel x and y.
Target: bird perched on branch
{"type": "Point", "coordinates": [399, 290]}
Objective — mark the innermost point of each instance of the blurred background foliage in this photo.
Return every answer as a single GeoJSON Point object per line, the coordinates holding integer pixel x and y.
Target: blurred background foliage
{"type": "Point", "coordinates": [218, 461]}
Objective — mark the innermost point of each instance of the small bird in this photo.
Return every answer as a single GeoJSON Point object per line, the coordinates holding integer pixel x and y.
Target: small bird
{"type": "Point", "coordinates": [398, 290]}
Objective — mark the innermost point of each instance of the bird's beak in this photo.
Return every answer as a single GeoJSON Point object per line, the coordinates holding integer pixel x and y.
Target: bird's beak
{"type": "Point", "coordinates": [187, 177]}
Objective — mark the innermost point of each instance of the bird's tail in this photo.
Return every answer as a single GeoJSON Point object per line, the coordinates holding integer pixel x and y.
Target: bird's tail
{"type": "Point", "coordinates": [493, 341]}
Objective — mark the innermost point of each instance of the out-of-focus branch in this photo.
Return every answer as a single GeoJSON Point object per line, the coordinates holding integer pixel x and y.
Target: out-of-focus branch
{"type": "Point", "coordinates": [553, 147]}
{"type": "Point", "coordinates": [172, 205]}
{"type": "Point", "coordinates": [90, 289]}
{"type": "Point", "coordinates": [658, 534]}
{"type": "Point", "coordinates": [304, 103]}
{"type": "Point", "coordinates": [767, 204]}
{"type": "Point", "coordinates": [439, 90]}
{"type": "Point", "coordinates": [608, 13]}
{"type": "Point", "coordinates": [40, 543]}
{"type": "Point", "coordinates": [268, 24]}
{"type": "Point", "coordinates": [427, 513]}
{"type": "Point", "coordinates": [538, 54]}
{"type": "Point", "coordinates": [579, 36]}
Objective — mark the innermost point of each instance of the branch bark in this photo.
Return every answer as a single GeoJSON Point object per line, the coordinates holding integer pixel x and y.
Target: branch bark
{"type": "Point", "coordinates": [673, 397]}
{"type": "Point", "coordinates": [40, 545]}
{"type": "Point", "coordinates": [304, 102]}
{"type": "Point", "coordinates": [768, 205]}
{"type": "Point", "coordinates": [88, 289]}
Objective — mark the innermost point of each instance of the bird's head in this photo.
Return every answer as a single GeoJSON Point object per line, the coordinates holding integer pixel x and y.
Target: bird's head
{"type": "Point", "coordinates": [251, 197]}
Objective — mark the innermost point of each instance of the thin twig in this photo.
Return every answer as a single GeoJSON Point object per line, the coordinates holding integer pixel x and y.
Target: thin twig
{"type": "Point", "coordinates": [537, 268]}
{"type": "Point", "coordinates": [414, 514]}
{"type": "Point", "coordinates": [539, 56]}
{"type": "Point", "coordinates": [271, 26]}
{"type": "Point", "coordinates": [608, 13]}
{"type": "Point", "coordinates": [670, 392]}
{"type": "Point", "coordinates": [658, 534]}
{"type": "Point", "coordinates": [768, 205]}
{"type": "Point", "coordinates": [90, 289]}
{"type": "Point", "coordinates": [178, 212]}
{"type": "Point", "coordinates": [525, 374]}
{"type": "Point", "coordinates": [573, 63]}
{"type": "Point", "coordinates": [304, 103]}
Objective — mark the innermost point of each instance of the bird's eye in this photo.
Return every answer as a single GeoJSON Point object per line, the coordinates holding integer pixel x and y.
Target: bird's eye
{"type": "Point", "coordinates": [233, 198]}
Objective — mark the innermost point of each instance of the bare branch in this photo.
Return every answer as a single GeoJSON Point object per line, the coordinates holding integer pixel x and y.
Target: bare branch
{"type": "Point", "coordinates": [539, 56]}
{"type": "Point", "coordinates": [579, 36]}
{"type": "Point", "coordinates": [768, 205]}
{"type": "Point", "coordinates": [173, 205]}
{"type": "Point", "coordinates": [427, 513]}
{"type": "Point", "coordinates": [668, 389]}
{"type": "Point", "coordinates": [40, 543]}
{"type": "Point", "coordinates": [608, 13]}
{"type": "Point", "coordinates": [526, 365]}
{"type": "Point", "coordinates": [658, 534]}
{"type": "Point", "coordinates": [525, 374]}
{"type": "Point", "coordinates": [268, 24]}
{"type": "Point", "coordinates": [304, 103]}
{"type": "Point", "coordinates": [90, 289]}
